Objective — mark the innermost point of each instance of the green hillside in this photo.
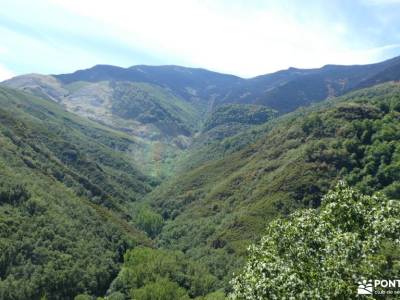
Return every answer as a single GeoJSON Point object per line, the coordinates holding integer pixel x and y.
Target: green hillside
{"type": "Point", "coordinates": [168, 109]}
{"type": "Point", "coordinates": [284, 90]}
{"type": "Point", "coordinates": [215, 210]}
{"type": "Point", "coordinates": [66, 185]}
{"type": "Point", "coordinates": [161, 122]}
{"type": "Point", "coordinates": [174, 98]}
{"type": "Point", "coordinates": [78, 215]}
{"type": "Point", "coordinates": [228, 128]}
{"type": "Point", "coordinates": [141, 109]}
{"type": "Point", "coordinates": [238, 113]}
{"type": "Point", "coordinates": [151, 104]}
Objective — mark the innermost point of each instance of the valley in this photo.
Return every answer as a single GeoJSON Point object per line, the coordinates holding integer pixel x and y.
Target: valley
{"type": "Point", "coordinates": [151, 182]}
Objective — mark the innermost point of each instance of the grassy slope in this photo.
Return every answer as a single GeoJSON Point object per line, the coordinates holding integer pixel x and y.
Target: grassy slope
{"type": "Point", "coordinates": [65, 188]}
{"type": "Point", "coordinates": [216, 209]}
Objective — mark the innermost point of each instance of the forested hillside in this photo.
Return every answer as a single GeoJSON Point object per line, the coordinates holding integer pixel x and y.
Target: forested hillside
{"type": "Point", "coordinates": [89, 90]}
{"type": "Point", "coordinates": [65, 189]}
{"type": "Point", "coordinates": [169, 108]}
{"type": "Point", "coordinates": [283, 91]}
{"type": "Point", "coordinates": [215, 210]}
{"type": "Point", "coordinates": [152, 182]}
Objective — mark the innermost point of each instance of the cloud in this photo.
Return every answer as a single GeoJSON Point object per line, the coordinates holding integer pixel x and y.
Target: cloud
{"type": "Point", "coordinates": [5, 73]}
{"type": "Point", "coordinates": [3, 50]}
{"type": "Point", "coordinates": [226, 35]}
{"type": "Point", "coordinates": [381, 2]}
{"type": "Point", "coordinates": [246, 38]}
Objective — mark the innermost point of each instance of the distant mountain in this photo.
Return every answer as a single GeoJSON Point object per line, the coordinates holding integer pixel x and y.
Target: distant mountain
{"type": "Point", "coordinates": [190, 164]}
{"type": "Point", "coordinates": [161, 120]}
{"type": "Point", "coordinates": [116, 103]}
{"type": "Point", "coordinates": [168, 106]}
{"type": "Point", "coordinates": [289, 89]}
{"type": "Point", "coordinates": [283, 91]}
{"type": "Point", "coordinates": [190, 83]}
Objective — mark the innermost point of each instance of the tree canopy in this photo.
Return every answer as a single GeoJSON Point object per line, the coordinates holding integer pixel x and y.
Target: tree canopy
{"type": "Point", "coordinates": [322, 254]}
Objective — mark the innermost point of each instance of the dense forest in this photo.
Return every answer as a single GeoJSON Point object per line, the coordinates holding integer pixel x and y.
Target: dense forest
{"type": "Point", "coordinates": [64, 200]}
{"type": "Point", "coordinates": [215, 210]}
{"type": "Point", "coordinates": [163, 184]}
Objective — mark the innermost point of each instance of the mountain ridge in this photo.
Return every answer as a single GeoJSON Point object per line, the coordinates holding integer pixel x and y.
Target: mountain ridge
{"type": "Point", "coordinates": [218, 171]}
{"type": "Point", "coordinates": [166, 107]}
{"type": "Point", "coordinates": [283, 90]}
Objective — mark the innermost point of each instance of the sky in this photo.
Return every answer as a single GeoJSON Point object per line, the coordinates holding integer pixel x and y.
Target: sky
{"type": "Point", "coordinates": [241, 37]}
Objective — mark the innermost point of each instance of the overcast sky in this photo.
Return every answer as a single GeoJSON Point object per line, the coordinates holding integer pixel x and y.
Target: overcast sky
{"type": "Point", "coordinates": [245, 38]}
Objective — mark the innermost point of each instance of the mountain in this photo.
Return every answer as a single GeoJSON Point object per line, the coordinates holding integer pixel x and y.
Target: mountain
{"type": "Point", "coordinates": [66, 186]}
{"type": "Point", "coordinates": [190, 94]}
{"type": "Point", "coordinates": [289, 89]}
{"type": "Point", "coordinates": [192, 84]}
{"type": "Point", "coordinates": [228, 128]}
{"type": "Point", "coordinates": [160, 121]}
{"type": "Point", "coordinates": [154, 108]}
{"type": "Point", "coordinates": [216, 207]}
{"type": "Point", "coordinates": [283, 90]}
{"type": "Point", "coordinates": [151, 182]}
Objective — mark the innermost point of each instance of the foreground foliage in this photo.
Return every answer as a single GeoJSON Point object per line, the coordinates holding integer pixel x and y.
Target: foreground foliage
{"type": "Point", "coordinates": [320, 254]}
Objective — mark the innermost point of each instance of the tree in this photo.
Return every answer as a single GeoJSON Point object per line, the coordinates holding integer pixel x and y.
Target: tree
{"type": "Point", "coordinates": [161, 274]}
{"type": "Point", "coordinates": [322, 254]}
{"type": "Point", "coordinates": [162, 289]}
{"type": "Point", "coordinates": [149, 221]}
